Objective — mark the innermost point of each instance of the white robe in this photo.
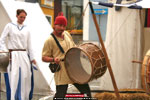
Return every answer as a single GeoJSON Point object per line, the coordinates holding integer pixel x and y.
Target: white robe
{"type": "Point", "coordinates": [19, 71]}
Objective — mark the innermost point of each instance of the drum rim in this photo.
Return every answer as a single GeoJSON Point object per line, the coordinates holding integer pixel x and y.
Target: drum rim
{"type": "Point", "coordinates": [90, 63]}
{"type": "Point", "coordinates": [92, 44]}
{"type": "Point", "coordinates": [144, 73]}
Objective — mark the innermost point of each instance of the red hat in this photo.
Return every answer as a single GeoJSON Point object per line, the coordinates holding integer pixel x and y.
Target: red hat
{"type": "Point", "coordinates": [60, 19]}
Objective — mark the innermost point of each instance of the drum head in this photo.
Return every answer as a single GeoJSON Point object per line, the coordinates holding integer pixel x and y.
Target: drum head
{"type": "Point", "coordinates": [85, 63]}
{"type": "Point", "coordinates": [146, 72]}
{"type": "Point", "coordinates": [78, 65]}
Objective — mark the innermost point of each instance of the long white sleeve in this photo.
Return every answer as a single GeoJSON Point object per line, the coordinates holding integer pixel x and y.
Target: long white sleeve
{"type": "Point", "coordinates": [30, 49]}
{"type": "Point", "coordinates": [3, 38]}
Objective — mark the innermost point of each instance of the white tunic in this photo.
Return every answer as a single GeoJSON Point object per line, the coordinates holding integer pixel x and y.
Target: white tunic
{"type": "Point", "coordinates": [19, 71]}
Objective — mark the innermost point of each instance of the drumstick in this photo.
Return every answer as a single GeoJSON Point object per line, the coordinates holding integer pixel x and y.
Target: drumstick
{"type": "Point", "coordinates": [140, 62]}
{"type": "Point", "coordinates": [135, 61]}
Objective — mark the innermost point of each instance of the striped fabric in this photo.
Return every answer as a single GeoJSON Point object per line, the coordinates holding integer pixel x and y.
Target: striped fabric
{"type": "Point", "coordinates": [147, 18]}
{"type": "Point", "coordinates": [139, 4]}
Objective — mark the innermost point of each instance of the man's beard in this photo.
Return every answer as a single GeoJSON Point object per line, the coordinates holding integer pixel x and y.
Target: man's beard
{"type": "Point", "coordinates": [60, 32]}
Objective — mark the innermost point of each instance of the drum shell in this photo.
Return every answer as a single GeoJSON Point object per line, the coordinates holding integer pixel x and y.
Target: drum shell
{"type": "Point", "coordinates": [145, 72]}
{"type": "Point", "coordinates": [4, 61]}
{"type": "Point", "coordinates": [96, 60]}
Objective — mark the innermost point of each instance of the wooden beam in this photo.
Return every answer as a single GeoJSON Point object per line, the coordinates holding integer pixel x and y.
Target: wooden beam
{"type": "Point", "coordinates": [105, 53]}
{"type": "Point", "coordinates": [57, 7]}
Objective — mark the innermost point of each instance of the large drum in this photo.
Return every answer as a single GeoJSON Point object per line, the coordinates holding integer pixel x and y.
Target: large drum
{"type": "Point", "coordinates": [145, 73]}
{"type": "Point", "coordinates": [85, 63]}
{"type": "Point", "coordinates": [4, 61]}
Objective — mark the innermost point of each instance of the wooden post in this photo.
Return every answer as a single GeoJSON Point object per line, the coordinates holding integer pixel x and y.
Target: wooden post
{"type": "Point", "coordinates": [0, 86]}
{"type": "Point", "coordinates": [105, 54]}
{"type": "Point", "coordinates": [57, 7]}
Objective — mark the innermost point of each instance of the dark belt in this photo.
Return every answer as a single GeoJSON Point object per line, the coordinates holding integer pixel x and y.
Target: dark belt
{"type": "Point", "coordinates": [10, 50]}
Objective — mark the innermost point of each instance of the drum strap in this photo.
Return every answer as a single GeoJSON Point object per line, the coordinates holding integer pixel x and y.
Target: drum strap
{"type": "Point", "coordinates": [57, 42]}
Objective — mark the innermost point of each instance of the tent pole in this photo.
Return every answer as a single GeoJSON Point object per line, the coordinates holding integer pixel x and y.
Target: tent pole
{"type": "Point", "coordinates": [0, 86]}
{"type": "Point", "coordinates": [104, 50]}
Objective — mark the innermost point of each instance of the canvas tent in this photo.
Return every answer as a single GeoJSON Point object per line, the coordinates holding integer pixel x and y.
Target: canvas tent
{"type": "Point", "coordinates": [40, 29]}
{"type": "Point", "coordinates": [126, 40]}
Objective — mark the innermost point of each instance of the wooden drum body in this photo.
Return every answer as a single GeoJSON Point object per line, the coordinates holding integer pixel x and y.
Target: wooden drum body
{"type": "Point", "coordinates": [85, 63]}
{"type": "Point", "coordinates": [146, 72]}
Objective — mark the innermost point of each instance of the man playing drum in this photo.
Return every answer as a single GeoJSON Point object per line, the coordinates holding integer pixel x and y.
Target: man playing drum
{"type": "Point", "coordinates": [52, 53]}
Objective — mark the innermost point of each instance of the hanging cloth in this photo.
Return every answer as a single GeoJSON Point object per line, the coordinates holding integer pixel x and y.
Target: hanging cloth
{"type": "Point", "coordinates": [147, 18]}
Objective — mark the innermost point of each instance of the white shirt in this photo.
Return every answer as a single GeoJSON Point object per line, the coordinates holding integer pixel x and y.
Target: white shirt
{"type": "Point", "coordinates": [18, 36]}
